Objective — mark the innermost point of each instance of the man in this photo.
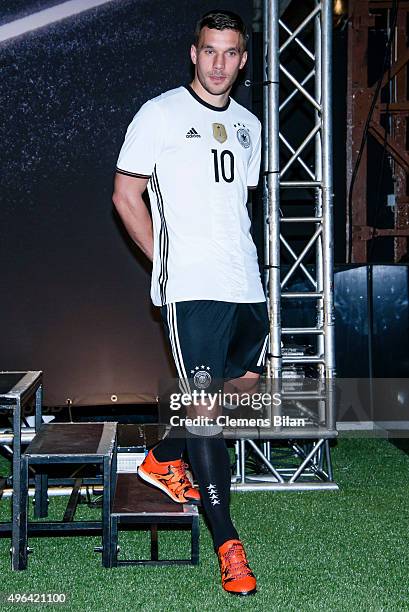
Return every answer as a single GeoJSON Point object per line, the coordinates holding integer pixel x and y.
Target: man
{"type": "Point", "coordinates": [198, 151]}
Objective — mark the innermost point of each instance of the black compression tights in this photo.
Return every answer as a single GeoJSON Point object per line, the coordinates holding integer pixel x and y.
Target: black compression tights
{"type": "Point", "coordinates": [209, 458]}
{"type": "Point", "coordinates": [210, 462]}
{"type": "Point", "coordinates": [171, 447]}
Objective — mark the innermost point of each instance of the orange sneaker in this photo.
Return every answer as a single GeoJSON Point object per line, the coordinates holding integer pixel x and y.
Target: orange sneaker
{"type": "Point", "coordinates": [237, 577]}
{"type": "Point", "coordinates": [169, 477]}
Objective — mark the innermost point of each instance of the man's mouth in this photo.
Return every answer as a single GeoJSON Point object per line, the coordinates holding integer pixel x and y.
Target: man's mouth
{"type": "Point", "coordinates": [217, 78]}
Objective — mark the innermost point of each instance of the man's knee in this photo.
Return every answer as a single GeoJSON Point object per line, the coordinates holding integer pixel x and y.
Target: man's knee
{"type": "Point", "coordinates": [245, 383]}
{"type": "Point", "coordinates": [250, 375]}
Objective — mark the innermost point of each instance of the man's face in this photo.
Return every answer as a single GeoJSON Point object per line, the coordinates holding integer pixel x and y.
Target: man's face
{"type": "Point", "coordinates": [218, 59]}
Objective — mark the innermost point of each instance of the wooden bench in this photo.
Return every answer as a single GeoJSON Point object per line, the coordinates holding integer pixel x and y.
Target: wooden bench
{"type": "Point", "coordinates": [68, 443]}
{"type": "Point", "coordinates": [138, 503]}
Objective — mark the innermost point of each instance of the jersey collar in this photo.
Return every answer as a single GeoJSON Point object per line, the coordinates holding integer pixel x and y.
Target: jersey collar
{"type": "Point", "coordinates": [199, 99]}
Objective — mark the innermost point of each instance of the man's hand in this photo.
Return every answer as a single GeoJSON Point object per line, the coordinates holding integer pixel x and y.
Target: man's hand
{"type": "Point", "coordinates": [129, 203]}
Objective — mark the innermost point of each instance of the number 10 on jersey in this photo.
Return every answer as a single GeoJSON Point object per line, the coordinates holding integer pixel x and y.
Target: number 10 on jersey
{"type": "Point", "coordinates": [223, 165]}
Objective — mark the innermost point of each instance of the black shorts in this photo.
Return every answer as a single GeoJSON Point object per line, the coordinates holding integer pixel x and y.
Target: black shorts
{"type": "Point", "coordinates": [216, 340]}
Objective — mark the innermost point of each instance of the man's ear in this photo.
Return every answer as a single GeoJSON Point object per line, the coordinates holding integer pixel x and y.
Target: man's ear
{"type": "Point", "coordinates": [193, 54]}
{"type": "Point", "coordinates": [243, 60]}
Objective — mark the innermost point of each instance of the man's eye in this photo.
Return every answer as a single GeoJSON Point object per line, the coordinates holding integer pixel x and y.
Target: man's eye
{"type": "Point", "coordinates": [209, 51]}
{"type": "Point", "coordinates": [232, 53]}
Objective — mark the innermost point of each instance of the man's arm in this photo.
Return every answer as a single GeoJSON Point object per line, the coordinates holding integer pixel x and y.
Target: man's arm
{"type": "Point", "coordinates": [128, 201]}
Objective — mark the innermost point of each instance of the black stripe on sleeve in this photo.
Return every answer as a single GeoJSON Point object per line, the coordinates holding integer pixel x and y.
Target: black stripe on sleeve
{"type": "Point", "coordinates": [135, 174]}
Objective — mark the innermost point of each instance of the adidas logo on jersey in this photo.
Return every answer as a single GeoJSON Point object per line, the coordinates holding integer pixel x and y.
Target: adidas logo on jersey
{"type": "Point", "coordinates": [192, 134]}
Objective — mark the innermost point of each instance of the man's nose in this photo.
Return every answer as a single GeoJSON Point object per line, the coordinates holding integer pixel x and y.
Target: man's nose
{"type": "Point", "coordinates": [219, 61]}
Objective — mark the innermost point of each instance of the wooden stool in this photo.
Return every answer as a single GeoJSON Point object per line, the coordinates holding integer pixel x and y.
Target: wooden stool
{"type": "Point", "coordinates": [138, 503]}
{"type": "Point", "coordinates": [17, 390]}
{"type": "Point", "coordinates": [68, 443]}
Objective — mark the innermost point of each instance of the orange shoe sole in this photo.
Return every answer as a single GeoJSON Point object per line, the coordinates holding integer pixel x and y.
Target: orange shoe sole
{"type": "Point", "coordinates": [242, 593]}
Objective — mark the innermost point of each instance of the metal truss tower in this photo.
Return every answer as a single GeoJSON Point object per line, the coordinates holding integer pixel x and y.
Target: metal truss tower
{"type": "Point", "coordinates": [298, 167]}
{"type": "Point", "coordinates": [283, 155]}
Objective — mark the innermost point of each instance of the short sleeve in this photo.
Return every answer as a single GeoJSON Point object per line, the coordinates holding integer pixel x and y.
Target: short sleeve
{"type": "Point", "coordinates": [254, 163]}
{"type": "Point", "coordinates": [142, 143]}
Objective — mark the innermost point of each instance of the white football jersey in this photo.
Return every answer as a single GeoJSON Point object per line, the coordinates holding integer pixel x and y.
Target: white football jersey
{"type": "Point", "coordinates": [200, 160]}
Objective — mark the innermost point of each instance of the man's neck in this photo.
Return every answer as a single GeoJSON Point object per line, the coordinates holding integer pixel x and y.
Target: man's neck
{"type": "Point", "coordinates": [215, 100]}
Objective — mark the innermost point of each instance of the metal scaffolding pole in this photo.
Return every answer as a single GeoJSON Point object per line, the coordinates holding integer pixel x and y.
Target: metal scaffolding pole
{"type": "Point", "coordinates": [327, 190]}
{"type": "Point", "coordinates": [273, 189]}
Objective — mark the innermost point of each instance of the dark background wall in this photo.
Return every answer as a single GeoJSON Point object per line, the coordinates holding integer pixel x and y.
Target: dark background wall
{"type": "Point", "coordinates": [74, 290]}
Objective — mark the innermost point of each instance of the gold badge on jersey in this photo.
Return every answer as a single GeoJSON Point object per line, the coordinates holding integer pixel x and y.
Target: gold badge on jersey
{"type": "Point", "coordinates": [219, 132]}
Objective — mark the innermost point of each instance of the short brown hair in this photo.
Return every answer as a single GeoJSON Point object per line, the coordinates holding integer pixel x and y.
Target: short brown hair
{"type": "Point", "coordinates": [222, 20]}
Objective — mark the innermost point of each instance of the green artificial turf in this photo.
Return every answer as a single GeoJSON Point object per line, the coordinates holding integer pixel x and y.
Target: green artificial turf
{"type": "Point", "coordinates": [345, 550]}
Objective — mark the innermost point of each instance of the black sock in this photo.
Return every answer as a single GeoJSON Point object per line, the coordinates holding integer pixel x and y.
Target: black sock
{"type": "Point", "coordinates": [171, 447]}
{"type": "Point", "coordinates": [210, 463]}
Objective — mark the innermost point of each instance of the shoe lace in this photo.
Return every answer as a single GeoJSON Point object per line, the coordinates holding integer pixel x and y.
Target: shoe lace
{"type": "Point", "coordinates": [235, 563]}
{"type": "Point", "coordinates": [178, 479]}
